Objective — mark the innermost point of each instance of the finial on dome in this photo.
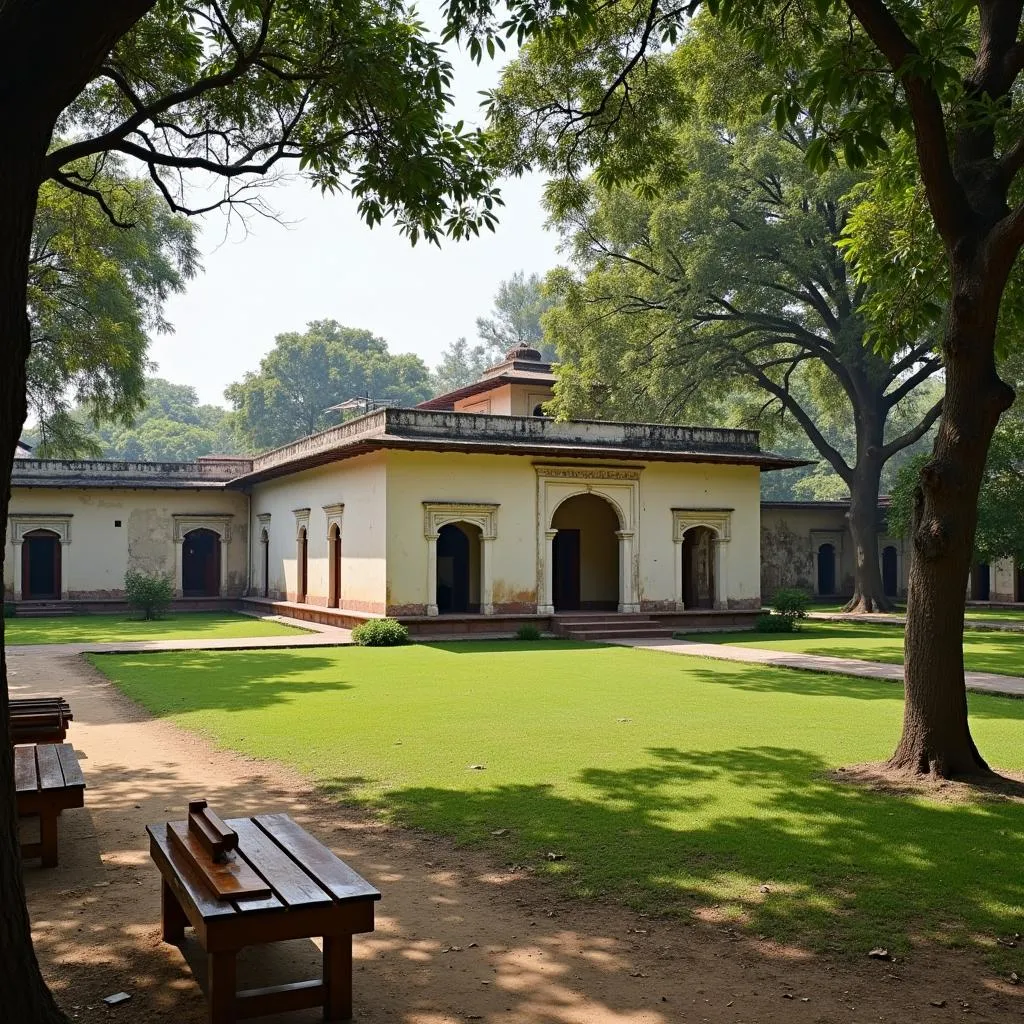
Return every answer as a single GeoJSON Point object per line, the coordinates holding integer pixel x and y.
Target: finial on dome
{"type": "Point", "coordinates": [524, 351]}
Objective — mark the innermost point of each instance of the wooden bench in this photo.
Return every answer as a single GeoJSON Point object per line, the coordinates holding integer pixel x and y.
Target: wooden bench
{"type": "Point", "coordinates": [39, 719]}
{"type": "Point", "coordinates": [312, 893]}
{"type": "Point", "coordinates": [47, 780]}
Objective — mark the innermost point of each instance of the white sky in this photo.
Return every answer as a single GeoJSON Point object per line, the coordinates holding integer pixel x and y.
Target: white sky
{"type": "Point", "coordinates": [326, 264]}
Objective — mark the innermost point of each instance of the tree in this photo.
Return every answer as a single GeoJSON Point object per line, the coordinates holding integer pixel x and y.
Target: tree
{"type": "Point", "coordinates": [516, 317]}
{"type": "Point", "coordinates": [96, 291]}
{"type": "Point", "coordinates": [305, 374]}
{"type": "Point", "coordinates": [231, 93]}
{"type": "Point", "coordinates": [734, 280]}
{"type": "Point", "coordinates": [460, 364]}
{"type": "Point", "coordinates": [946, 79]}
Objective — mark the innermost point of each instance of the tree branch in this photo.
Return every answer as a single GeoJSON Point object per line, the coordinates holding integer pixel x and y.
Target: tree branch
{"type": "Point", "coordinates": [914, 434]}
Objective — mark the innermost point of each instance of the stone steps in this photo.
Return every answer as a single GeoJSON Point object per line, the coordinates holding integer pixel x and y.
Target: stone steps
{"type": "Point", "coordinates": [617, 627]}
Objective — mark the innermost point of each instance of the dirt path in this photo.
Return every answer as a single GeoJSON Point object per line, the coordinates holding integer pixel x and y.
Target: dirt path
{"type": "Point", "coordinates": [457, 938]}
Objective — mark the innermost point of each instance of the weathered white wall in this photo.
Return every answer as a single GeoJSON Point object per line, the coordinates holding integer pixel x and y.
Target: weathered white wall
{"type": "Point", "coordinates": [695, 486]}
{"type": "Point", "coordinates": [94, 561]}
{"type": "Point", "coordinates": [360, 484]}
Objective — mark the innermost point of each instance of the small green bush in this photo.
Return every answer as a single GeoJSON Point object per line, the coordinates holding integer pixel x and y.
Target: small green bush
{"type": "Point", "coordinates": [150, 595]}
{"type": "Point", "coordinates": [791, 602]}
{"type": "Point", "coordinates": [775, 624]}
{"type": "Point", "coordinates": [527, 632]}
{"type": "Point", "coordinates": [381, 633]}
{"type": "Point", "coordinates": [9, 610]}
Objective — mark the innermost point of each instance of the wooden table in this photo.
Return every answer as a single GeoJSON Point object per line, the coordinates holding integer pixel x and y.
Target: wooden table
{"type": "Point", "coordinates": [313, 893]}
{"type": "Point", "coordinates": [47, 780]}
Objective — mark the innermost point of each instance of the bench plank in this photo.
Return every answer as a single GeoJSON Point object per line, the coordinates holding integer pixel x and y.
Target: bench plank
{"type": "Point", "coordinates": [332, 873]}
{"type": "Point", "coordinates": [25, 778]}
{"type": "Point", "coordinates": [232, 878]}
{"type": "Point", "coordinates": [204, 901]}
{"type": "Point", "coordinates": [291, 884]}
{"type": "Point", "coordinates": [70, 765]}
{"type": "Point", "coordinates": [50, 775]}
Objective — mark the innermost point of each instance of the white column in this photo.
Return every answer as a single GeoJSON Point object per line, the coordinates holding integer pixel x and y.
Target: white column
{"type": "Point", "coordinates": [678, 563]}
{"type": "Point", "coordinates": [486, 586]}
{"type": "Point", "coordinates": [627, 592]}
{"type": "Point", "coordinates": [546, 605]}
{"type": "Point", "coordinates": [432, 575]}
{"type": "Point", "coordinates": [64, 547]}
{"type": "Point", "coordinates": [721, 573]}
{"type": "Point", "coordinates": [16, 564]}
{"type": "Point", "coordinates": [178, 582]}
{"type": "Point", "coordinates": [224, 548]}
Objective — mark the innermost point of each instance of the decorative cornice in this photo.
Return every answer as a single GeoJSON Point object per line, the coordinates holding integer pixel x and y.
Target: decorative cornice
{"type": "Point", "coordinates": [573, 472]}
{"type": "Point", "coordinates": [217, 522]}
{"type": "Point", "coordinates": [301, 521]}
{"type": "Point", "coordinates": [25, 522]}
{"type": "Point", "coordinates": [334, 514]}
{"type": "Point", "coordinates": [483, 514]}
{"type": "Point", "coordinates": [718, 520]}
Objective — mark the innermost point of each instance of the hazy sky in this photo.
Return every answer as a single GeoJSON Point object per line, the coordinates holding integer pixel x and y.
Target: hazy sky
{"type": "Point", "coordinates": [326, 264]}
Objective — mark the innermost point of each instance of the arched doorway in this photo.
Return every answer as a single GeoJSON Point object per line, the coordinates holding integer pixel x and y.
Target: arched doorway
{"type": "Point", "coordinates": [458, 569]}
{"type": "Point", "coordinates": [827, 569]}
{"type": "Point", "coordinates": [981, 582]}
{"type": "Point", "coordinates": [265, 582]}
{"type": "Point", "coordinates": [334, 566]}
{"type": "Point", "coordinates": [200, 564]}
{"type": "Point", "coordinates": [40, 566]}
{"type": "Point", "coordinates": [302, 567]}
{"type": "Point", "coordinates": [699, 550]}
{"type": "Point", "coordinates": [890, 572]}
{"type": "Point", "coordinates": [585, 555]}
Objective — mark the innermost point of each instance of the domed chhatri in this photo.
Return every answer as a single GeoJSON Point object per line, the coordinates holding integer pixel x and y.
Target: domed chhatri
{"type": "Point", "coordinates": [523, 351]}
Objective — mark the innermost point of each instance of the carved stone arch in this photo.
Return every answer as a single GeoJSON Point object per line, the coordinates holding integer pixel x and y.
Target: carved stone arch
{"type": "Point", "coordinates": [216, 522]}
{"type": "Point", "coordinates": [719, 522]}
{"type": "Point", "coordinates": [597, 493]}
{"type": "Point", "coordinates": [481, 514]}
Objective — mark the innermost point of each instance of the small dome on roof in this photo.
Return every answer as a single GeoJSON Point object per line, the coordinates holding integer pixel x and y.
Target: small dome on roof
{"type": "Point", "coordinates": [524, 351]}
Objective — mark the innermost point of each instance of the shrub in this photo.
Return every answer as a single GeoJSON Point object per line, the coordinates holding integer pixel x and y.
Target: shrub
{"type": "Point", "coordinates": [151, 595]}
{"type": "Point", "coordinates": [527, 632]}
{"type": "Point", "coordinates": [9, 610]}
{"type": "Point", "coordinates": [381, 633]}
{"type": "Point", "coordinates": [775, 624]}
{"type": "Point", "coordinates": [791, 602]}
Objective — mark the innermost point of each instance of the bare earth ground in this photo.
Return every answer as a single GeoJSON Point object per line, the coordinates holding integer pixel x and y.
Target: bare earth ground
{"type": "Point", "coordinates": [458, 938]}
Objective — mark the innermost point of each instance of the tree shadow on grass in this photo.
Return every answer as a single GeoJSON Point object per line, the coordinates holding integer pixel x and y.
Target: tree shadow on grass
{"type": "Point", "coordinates": [170, 683]}
{"type": "Point", "coordinates": [846, 868]}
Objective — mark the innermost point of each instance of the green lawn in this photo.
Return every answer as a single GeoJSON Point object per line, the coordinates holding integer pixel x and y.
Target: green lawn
{"type": "Point", "coordinates": [671, 783]}
{"type": "Point", "coordinates": [984, 652]}
{"type": "Point", "coordinates": [95, 629]}
{"type": "Point", "coordinates": [977, 614]}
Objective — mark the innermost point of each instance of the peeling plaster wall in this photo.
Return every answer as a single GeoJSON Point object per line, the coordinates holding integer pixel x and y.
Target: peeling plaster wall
{"type": "Point", "coordinates": [94, 563]}
{"type": "Point", "coordinates": [357, 483]}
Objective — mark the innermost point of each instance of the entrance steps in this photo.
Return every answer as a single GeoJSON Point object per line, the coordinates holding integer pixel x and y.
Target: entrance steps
{"type": "Point", "coordinates": [608, 626]}
{"type": "Point", "coordinates": [39, 609]}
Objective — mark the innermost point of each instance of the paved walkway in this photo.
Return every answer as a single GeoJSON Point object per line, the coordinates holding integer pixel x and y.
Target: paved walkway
{"type": "Point", "coordinates": [890, 619]}
{"type": "Point", "coordinates": [318, 635]}
{"type": "Point", "coordinates": [983, 682]}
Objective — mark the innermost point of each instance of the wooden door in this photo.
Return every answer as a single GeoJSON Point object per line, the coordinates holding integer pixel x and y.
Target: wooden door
{"type": "Point", "coordinates": [565, 583]}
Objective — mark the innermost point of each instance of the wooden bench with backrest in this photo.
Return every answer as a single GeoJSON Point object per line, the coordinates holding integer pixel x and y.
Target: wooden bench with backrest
{"type": "Point", "coordinates": [39, 719]}
{"type": "Point", "coordinates": [47, 780]}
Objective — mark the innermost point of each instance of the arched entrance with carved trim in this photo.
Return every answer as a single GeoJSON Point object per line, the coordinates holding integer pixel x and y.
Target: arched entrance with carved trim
{"type": "Point", "coordinates": [40, 566]}
{"type": "Point", "coordinates": [458, 569]}
{"type": "Point", "coordinates": [334, 566]}
{"type": "Point", "coordinates": [265, 562]}
{"type": "Point", "coordinates": [200, 563]}
{"type": "Point", "coordinates": [585, 554]}
{"type": "Point", "coordinates": [700, 545]}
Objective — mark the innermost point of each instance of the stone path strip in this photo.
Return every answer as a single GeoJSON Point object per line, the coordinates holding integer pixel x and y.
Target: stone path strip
{"type": "Point", "coordinates": [887, 619]}
{"type": "Point", "coordinates": [983, 682]}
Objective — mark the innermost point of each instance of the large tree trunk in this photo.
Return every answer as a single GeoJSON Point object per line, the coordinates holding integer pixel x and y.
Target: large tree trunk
{"type": "Point", "coordinates": [23, 993]}
{"type": "Point", "coordinates": [868, 591]}
{"type": "Point", "coordinates": [936, 736]}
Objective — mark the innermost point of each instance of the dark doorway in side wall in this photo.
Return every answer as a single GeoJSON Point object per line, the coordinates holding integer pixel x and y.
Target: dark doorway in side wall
{"type": "Point", "coordinates": [981, 582]}
{"type": "Point", "coordinates": [565, 580]}
{"type": "Point", "coordinates": [826, 569]}
{"type": "Point", "coordinates": [200, 564]}
{"type": "Point", "coordinates": [1020, 584]}
{"type": "Point", "coordinates": [265, 542]}
{"type": "Point", "coordinates": [699, 544]}
{"type": "Point", "coordinates": [334, 558]}
{"type": "Point", "coordinates": [458, 569]}
{"type": "Point", "coordinates": [890, 572]}
{"type": "Point", "coordinates": [40, 566]}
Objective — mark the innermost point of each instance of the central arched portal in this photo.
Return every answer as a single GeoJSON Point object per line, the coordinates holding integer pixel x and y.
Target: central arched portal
{"type": "Point", "coordinates": [200, 564]}
{"type": "Point", "coordinates": [458, 569]}
{"type": "Point", "coordinates": [699, 549]}
{"type": "Point", "coordinates": [40, 566]}
{"type": "Point", "coordinates": [585, 555]}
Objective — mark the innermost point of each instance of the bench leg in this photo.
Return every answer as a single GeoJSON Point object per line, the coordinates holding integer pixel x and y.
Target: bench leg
{"type": "Point", "coordinates": [48, 838]}
{"type": "Point", "coordinates": [223, 987]}
{"type": "Point", "coordinates": [172, 917]}
{"type": "Point", "coordinates": [338, 977]}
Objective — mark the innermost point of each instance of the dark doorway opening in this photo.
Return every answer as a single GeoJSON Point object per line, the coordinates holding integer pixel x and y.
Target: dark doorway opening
{"type": "Point", "coordinates": [200, 564]}
{"type": "Point", "coordinates": [981, 582]}
{"type": "Point", "coordinates": [826, 569]}
{"type": "Point", "coordinates": [265, 541]}
{"type": "Point", "coordinates": [40, 566]}
{"type": "Point", "coordinates": [565, 582]}
{"type": "Point", "coordinates": [699, 567]}
{"type": "Point", "coordinates": [890, 572]}
{"type": "Point", "coordinates": [1020, 584]}
{"type": "Point", "coordinates": [302, 567]}
{"type": "Point", "coordinates": [334, 556]}
{"type": "Point", "coordinates": [458, 569]}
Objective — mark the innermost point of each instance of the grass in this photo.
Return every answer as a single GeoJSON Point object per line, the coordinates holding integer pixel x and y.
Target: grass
{"type": "Point", "coordinates": [977, 614]}
{"type": "Point", "coordinates": [983, 652]}
{"type": "Point", "coordinates": [677, 785]}
{"type": "Point", "coordinates": [94, 629]}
